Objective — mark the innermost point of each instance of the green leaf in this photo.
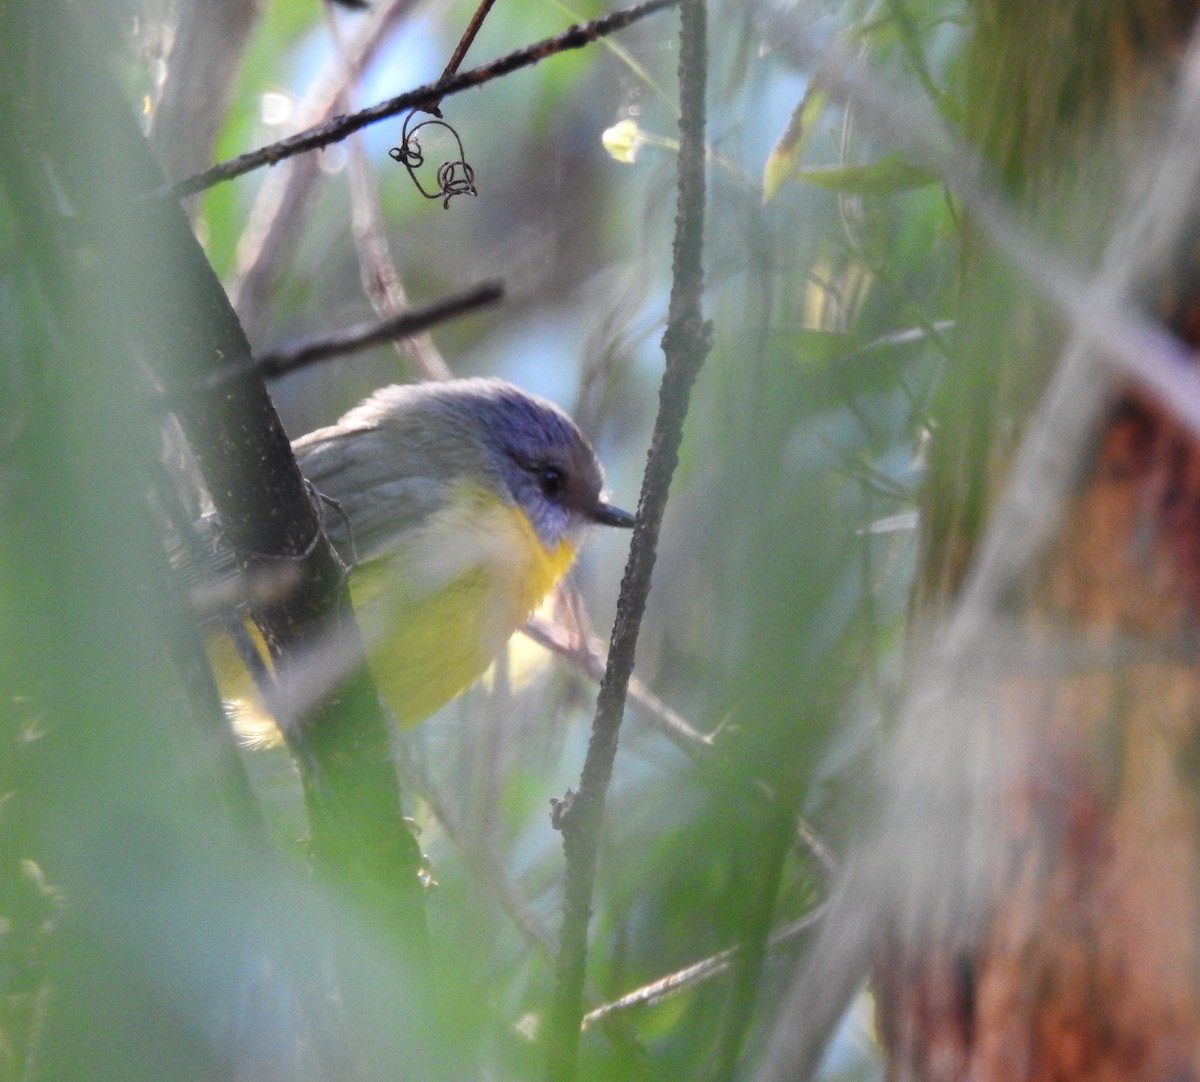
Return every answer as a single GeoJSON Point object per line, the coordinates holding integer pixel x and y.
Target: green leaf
{"type": "Point", "coordinates": [785, 154]}
{"type": "Point", "coordinates": [888, 175]}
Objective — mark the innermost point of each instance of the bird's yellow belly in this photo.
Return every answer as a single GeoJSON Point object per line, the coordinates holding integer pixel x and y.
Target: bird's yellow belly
{"type": "Point", "coordinates": [437, 613]}
{"type": "Point", "coordinates": [437, 608]}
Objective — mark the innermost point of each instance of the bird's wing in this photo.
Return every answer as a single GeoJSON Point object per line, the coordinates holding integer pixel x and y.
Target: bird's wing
{"type": "Point", "coordinates": [372, 489]}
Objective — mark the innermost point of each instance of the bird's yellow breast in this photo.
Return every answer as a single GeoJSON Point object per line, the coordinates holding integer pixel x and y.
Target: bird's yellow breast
{"type": "Point", "coordinates": [437, 610]}
{"type": "Point", "coordinates": [437, 606]}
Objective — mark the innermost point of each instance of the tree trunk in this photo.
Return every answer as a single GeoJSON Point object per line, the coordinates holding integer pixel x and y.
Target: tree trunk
{"type": "Point", "coordinates": [1075, 952]}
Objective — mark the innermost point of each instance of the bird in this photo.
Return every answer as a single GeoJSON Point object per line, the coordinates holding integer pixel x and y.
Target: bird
{"type": "Point", "coordinates": [456, 506]}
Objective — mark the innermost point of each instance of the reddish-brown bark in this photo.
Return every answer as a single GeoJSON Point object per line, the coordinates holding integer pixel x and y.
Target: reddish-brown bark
{"type": "Point", "coordinates": [1083, 957]}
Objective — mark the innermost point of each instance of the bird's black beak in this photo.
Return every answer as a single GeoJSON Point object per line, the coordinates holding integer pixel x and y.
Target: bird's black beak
{"type": "Point", "coordinates": [606, 515]}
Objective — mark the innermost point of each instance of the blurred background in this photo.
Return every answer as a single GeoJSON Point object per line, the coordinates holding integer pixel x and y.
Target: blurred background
{"type": "Point", "coordinates": [774, 624]}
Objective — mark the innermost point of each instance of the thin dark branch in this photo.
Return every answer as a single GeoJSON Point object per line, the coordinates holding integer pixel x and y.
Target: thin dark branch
{"type": "Point", "coordinates": [348, 340]}
{"type": "Point", "coordinates": [285, 198]}
{"type": "Point", "coordinates": [364, 335]}
{"type": "Point", "coordinates": [587, 657]}
{"type": "Point", "coordinates": [464, 43]}
{"type": "Point", "coordinates": [574, 37]}
{"type": "Point", "coordinates": [376, 268]}
{"type": "Point", "coordinates": [685, 344]}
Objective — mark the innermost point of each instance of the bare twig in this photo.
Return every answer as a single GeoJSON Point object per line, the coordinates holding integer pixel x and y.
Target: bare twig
{"type": "Point", "coordinates": [464, 43]}
{"type": "Point", "coordinates": [365, 335]}
{"type": "Point", "coordinates": [685, 344]}
{"type": "Point", "coordinates": [587, 656]}
{"type": "Point", "coordinates": [574, 37]}
{"type": "Point", "coordinates": [274, 225]}
{"type": "Point", "coordinates": [696, 973]}
{"type": "Point", "coordinates": [477, 854]}
{"type": "Point", "coordinates": [454, 177]}
{"type": "Point", "coordinates": [336, 344]}
{"type": "Point", "coordinates": [376, 268]}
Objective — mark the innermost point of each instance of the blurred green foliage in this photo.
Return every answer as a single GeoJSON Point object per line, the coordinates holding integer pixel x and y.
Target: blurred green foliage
{"type": "Point", "coordinates": [774, 623]}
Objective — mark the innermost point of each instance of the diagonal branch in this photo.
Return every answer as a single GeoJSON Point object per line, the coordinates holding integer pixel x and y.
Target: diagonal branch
{"type": "Point", "coordinates": [697, 973]}
{"type": "Point", "coordinates": [464, 43]}
{"type": "Point", "coordinates": [686, 343]}
{"type": "Point", "coordinates": [574, 37]}
{"type": "Point", "coordinates": [285, 197]}
{"type": "Point", "coordinates": [150, 284]}
{"type": "Point", "coordinates": [376, 268]}
{"type": "Point", "coordinates": [589, 658]}
{"type": "Point", "coordinates": [364, 335]}
{"type": "Point", "coordinates": [1124, 337]}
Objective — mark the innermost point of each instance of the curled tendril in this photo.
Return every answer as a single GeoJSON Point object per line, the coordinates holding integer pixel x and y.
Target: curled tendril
{"type": "Point", "coordinates": [453, 178]}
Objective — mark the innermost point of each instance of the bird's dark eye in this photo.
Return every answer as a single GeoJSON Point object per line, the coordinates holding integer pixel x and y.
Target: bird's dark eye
{"type": "Point", "coordinates": [550, 480]}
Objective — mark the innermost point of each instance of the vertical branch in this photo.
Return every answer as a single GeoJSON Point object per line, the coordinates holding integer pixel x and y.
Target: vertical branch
{"type": "Point", "coordinates": [686, 343]}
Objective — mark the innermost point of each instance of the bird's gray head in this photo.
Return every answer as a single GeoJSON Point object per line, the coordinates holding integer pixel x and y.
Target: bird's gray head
{"type": "Point", "coordinates": [535, 453]}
